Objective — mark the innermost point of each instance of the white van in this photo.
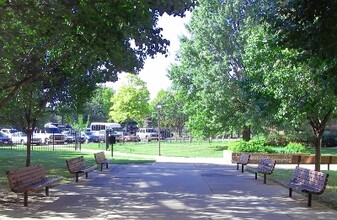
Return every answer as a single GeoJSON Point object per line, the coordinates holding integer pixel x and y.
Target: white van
{"type": "Point", "coordinates": [99, 129]}
{"type": "Point", "coordinates": [95, 127]}
{"type": "Point", "coordinates": [147, 134]}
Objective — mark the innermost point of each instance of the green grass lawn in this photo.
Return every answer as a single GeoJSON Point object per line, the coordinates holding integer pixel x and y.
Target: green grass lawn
{"type": "Point", "coordinates": [52, 161]}
{"type": "Point", "coordinates": [173, 149]}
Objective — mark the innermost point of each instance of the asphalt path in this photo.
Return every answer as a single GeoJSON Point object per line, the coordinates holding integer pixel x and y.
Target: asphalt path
{"type": "Point", "coordinates": [170, 188]}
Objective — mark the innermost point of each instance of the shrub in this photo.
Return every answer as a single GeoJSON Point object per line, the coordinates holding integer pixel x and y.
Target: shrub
{"type": "Point", "coordinates": [275, 139]}
{"type": "Point", "coordinates": [255, 145]}
{"type": "Point", "coordinates": [294, 148]}
{"type": "Point", "coordinates": [259, 146]}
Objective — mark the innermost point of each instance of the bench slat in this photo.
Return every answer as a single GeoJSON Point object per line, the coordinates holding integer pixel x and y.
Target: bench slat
{"type": "Point", "coordinates": [30, 179]}
{"type": "Point", "coordinates": [38, 185]}
{"type": "Point", "coordinates": [266, 166]}
{"type": "Point", "coordinates": [77, 166]}
{"type": "Point", "coordinates": [308, 181]}
{"type": "Point", "coordinates": [243, 160]}
{"type": "Point", "coordinates": [102, 160]}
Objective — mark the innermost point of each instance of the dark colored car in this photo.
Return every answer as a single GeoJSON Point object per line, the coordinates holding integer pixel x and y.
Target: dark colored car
{"type": "Point", "coordinates": [90, 137]}
{"type": "Point", "coordinates": [4, 139]}
{"type": "Point", "coordinates": [69, 138]}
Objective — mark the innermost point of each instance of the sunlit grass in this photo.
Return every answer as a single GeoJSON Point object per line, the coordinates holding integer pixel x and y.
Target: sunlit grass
{"type": "Point", "coordinates": [173, 149]}
{"type": "Point", "coordinates": [52, 161]}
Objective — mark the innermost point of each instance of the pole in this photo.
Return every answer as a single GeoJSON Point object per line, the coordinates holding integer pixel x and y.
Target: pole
{"type": "Point", "coordinates": [158, 132]}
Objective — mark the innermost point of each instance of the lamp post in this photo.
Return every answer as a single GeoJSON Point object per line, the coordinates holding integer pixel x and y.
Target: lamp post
{"type": "Point", "coordinates": [159, 109]}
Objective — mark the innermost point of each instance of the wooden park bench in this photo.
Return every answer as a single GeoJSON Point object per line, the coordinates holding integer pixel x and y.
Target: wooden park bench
{"type": "Point", "coordinates": [77, 166]}
{"type": "Point", "coordinates": [102, 160]}
{"type": "Point", "coordinates": [30, 179]}
{"type": "Point", "coordinates": [265, 166]}
{"type": "Point", "coordinates": [308, 181]}
{"type": "Point", "coordinates": [243, 160]}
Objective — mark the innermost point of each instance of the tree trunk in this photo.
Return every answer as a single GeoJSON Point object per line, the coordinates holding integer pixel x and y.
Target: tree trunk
{"type": "Point", "coordinates": [318, 126]}
{"type": "Point", "coordinates": [246, 133]}
{"type": "Point", "coordinates": [31, 124]}
{"type": "Point", "coordinates": [29, 141]}
{"type": "Point", "coordinates": [318, 144]}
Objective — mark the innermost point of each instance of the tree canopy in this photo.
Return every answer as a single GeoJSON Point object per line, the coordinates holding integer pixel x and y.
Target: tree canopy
{"type": "Point", "coordinates": [84, 42]}
{"type": "Point", "coordinates": [55, 53]}
{"type": "Point", "coordinates": [210, 69]}
{"type": "Point", "coordinates": [131, 101]}
{"type": "Point", "coordinates": [251, 61]}
{"type": "Point", "coordinates": [172, 115]}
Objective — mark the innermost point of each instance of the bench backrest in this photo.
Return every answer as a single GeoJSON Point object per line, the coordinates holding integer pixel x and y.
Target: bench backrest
{"type": "Point", "coordinates": [244, 158]}
{"type": "Point", "coordinates": [266, 165]}
{"type": "Point", "coordinates": [75, 164]}
{"type": "Point", "coordinates": [99, 157]}
{"type": "Point", "coordinates": [314, 179]}
{"type": "Point", "coordinates": [25, 176]}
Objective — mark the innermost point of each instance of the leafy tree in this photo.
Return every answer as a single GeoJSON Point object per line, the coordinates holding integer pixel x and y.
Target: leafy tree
{"type": "Point", "coordinates": [210, 69]}
{"type": "Point", "coordinates": [172, 114]}
{"type": "Point", "coordinates": [292, 61]}
{"type": "Point", "coordinates": [58, 51]}
{"type": "Point", "coordinates": [80, 124]}
{"type": "Point", "coordinates": [87, 40]}
{"type": "Point", "coordinates": [130, 102]}
{"type": "Point", "coordinates": [24, 111]}
{"type": "Point", "coordinates": [99, 105]}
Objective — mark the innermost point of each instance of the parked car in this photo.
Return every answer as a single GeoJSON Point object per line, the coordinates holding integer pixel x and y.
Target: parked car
{"type": "Point", "coordinates": [9, 131]}
{"type": "Point", "coordinates": [147, 134]}
{"type": "Point", "coordinates": [21, 138]}
{"type": "Point", "coordinates": [68, 137]}
{"type": "Point", "coordinates": [72, 136]}
{"type": "Point", "coordinates": [80, 137]}
{"type": "Point", "coordinates": [50, 134]}
{"type": "Point", "coordinates": [4, 139]}
{"type": "Point", "coordinates": [89, 136]}
{"type": "Point", "coordinates": [101, 135]}
{"type": "Point", "coordinates": [165, 133]}
{"type": "Point", "coordinates": [128, 137]}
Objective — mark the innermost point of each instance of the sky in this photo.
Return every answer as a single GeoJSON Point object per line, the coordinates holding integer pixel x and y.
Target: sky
{"type": "Point", "coordinates": [155, 71]}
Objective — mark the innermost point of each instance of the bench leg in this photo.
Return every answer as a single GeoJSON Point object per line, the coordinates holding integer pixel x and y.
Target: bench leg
{"type": "Point", "coordinates": [264, 178]}
{"type": "Point", "coordinates": [309, 199]}
{"type": "Point", "coordinates": [256, 176]}
{"type": "Point", "coordinates": [25, 198]}
{"type": "Point", "coordinates": [107, 165]}
{"type": "Point", "coordinates": [86, 175]}
{"type": "Point", "coordinates": [47, 190]}
{"type": "Point", "coordinates": [76, 177]}
{"type": "Point", "coordinates": [237, 166]}
{"type": "Point", "coordinates": [101, 167]}
{"type": "Point", "coordinates": [290, 192]}
{"type": "Point", "coordinates": [242, 168]}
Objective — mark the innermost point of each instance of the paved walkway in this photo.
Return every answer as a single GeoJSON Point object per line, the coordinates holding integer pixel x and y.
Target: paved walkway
{"type": "Point", "coordinates": [169, 189]}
